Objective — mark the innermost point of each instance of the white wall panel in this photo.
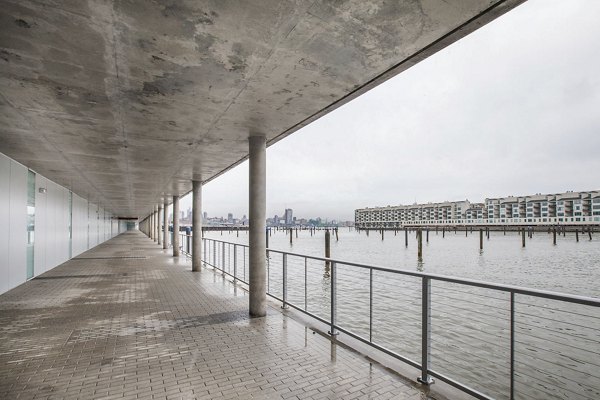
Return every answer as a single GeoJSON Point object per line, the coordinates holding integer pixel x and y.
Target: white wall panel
{"type": "Point", "coordinates": [17, 241]}
{"type": "Point", "coordinates": [80, 225]}
{"type": "Point", "coordinates": [4, 220]}
{"type": "Point", "coordinates": [40, 264]}
{"type": "Point", "coordinates": [93, 231]}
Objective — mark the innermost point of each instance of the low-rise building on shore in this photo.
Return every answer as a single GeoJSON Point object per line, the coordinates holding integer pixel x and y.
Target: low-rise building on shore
{"type": "Point", "coordinates": [569, 208]}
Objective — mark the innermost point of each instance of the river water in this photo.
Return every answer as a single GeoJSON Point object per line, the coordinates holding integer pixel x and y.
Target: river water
{"type": "Point", "coordinates": [557, 345]}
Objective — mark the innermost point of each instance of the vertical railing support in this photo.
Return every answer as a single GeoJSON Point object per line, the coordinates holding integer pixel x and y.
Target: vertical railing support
{"type": "Point", "coordinates": [223, 258]}
{"type": "Point", "coordinates": [285, 279]}
{"type": "Point", "coordinates": [512, 345]}
{"type": "Point", "coordinates": [370, 304]}
{"type": "Point", "coordinates": [305, 284]}
{"type": "Point", "coordinates": [332, 330]}
{"type": "Point", "coordinates": [234, 263]}
{"type": "Point", "coordinates": [425, 331]}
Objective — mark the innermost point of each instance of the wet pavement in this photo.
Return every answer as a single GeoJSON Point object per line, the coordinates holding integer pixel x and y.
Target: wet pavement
{"type": "Point", "coordinates": [127, 320]}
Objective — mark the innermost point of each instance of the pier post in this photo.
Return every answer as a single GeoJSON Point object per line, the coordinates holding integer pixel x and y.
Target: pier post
{"type": "Point", "coordinates": [406, 237]}
{"type": "Point", "coordinates": [523, 236]}
{"type": "Point", "coordinates": [443, 232]}
{"type": "Point", "coordinates": [382, 234]}
{"type": "Point", "coordinates": [427, 235]}
{"type": "Point", "coordinates": [291, 235]}
{"type": "Point", "coordinates": [554, 236]}
{"type": "Point", "coordinates": [577, 235]}
{"type": "Point", "coordinates": [175, 226]}
{"type": "Point", "coordinates": [336, 235]}
{"type": "Point", "coordinates": [258, 230]}
{"type": "Point", "coordinates": [420, 244]}
{"type": "Point", "coordinates": [327, 247]}
{"type": "Point", "coordinates": [590, 233]}
{"type": "Point", "coordinates": [481, 239]}
{"type": "Point", "coordinates": [197, 225]}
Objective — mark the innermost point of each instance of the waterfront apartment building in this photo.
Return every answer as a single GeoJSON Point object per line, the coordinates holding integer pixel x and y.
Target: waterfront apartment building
{"type": "Point", "coordinates": [569, 208]}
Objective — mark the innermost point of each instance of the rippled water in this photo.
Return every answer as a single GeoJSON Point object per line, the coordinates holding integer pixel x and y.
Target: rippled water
{"type": "Point", "coordinates": [557, 350]}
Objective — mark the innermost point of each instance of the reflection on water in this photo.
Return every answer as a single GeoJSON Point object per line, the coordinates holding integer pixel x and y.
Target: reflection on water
{"type": "Point", "coordinates": [557, 345]}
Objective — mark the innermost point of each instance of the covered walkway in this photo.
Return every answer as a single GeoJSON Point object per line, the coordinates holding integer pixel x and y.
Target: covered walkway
{"type": "Point", "coordinates": [127, 320]}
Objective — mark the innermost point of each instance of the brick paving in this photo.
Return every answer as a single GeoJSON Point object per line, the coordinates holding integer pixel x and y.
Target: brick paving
{"type": "Point", "coordinates": [126, 320]}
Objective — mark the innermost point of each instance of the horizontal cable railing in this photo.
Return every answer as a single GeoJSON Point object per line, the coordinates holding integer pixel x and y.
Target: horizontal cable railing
{"type": "Point", "coordinates": [492, 341]}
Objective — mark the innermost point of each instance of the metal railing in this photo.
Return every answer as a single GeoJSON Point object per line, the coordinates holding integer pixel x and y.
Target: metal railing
{"type": "Point", "coordinates": [488, 340]}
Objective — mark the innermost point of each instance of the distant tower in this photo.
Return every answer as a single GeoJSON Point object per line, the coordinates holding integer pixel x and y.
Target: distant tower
{"type": "Point", "coordinates": [288, 216]}
{"type": "Point", "coordinates": [230, 217]}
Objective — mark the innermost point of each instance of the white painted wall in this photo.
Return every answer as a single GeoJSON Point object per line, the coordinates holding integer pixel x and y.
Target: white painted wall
{"type": "Point", "coordinates": [52, 217]}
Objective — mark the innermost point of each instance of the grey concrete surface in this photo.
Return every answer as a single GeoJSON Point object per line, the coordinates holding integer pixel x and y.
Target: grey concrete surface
{"type": "Point", "coordinates": [197, 225]}
{"type": "Point", "coordinates": [127, 101]}
{"type": "Point", "coordinates": [257, 225]}
{"type": "Point", "coordinates": [127, 321]}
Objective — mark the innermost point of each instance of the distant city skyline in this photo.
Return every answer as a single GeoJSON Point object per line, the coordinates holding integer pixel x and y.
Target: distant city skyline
{"type": "Point", "coordinates": [511, 108]}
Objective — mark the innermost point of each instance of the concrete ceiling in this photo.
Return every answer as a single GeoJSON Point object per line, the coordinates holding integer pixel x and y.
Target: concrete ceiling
{"type": "Point", "coordinates": [125, 101]}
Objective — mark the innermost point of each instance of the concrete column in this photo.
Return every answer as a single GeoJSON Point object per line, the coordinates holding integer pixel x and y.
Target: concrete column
{"type": "Point", "coordinates": [196, 225]}
{"type": "Point", "coordinates": [155, 223]}
{"type": "Point", "coordinates": [166, 225]}
{"type": "Point", "coordinates": [258, 210]}
{"type": "Point", "coordinates": [151, 226]}
{"type": "Point", "coordinates": [175, 226]}
{"type": "Point", "coordinates": [158, 231]}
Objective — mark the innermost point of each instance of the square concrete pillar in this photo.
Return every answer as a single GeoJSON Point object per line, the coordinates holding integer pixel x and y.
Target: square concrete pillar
{"type": "Point", "coordinates": [196, 225]}
{"type": "Point", "coordinates": [258, 208]}
{"type": "Point", "coordinates": [175, 226]}
{"type": "Point", "coordinates": [166, 225]}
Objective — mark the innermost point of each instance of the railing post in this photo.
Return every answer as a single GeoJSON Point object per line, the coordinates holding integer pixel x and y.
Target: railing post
{"type": "Point", "coordinates": [204, 241]}
{"type": "Point", "coordinates": [214, 244]}
{"type": "Point", "coordinates": [425, 331]}
{"type": "Point", "coordinates": [285, 279]}
{"type": "Point", "coordinates": [223, 258]}
{"type": "Point", "coordinates": [370, 304]}
{"type": "Point", "coordinates": [234, 263]}
{"type": "Point", "coordinates": [512, 345]}
{"type": "Point", "coordinates": [305, 284]}
{"type": "Point", "coordinates": [332, 330]}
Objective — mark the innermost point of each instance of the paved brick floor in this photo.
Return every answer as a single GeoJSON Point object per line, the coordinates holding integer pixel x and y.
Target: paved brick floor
{"type": "Point", "coordinates": [126, 320]}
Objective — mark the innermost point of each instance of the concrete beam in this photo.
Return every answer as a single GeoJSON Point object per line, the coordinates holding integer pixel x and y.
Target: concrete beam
{"type": "Point", "coordinates": [258, 211]}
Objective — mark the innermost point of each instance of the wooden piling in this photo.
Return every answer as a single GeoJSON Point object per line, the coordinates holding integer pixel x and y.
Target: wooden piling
{"type": "Point", "coordinates": [523, 236]}
{"type": "Point", "coordinates": [577, 235]}
{"type": "Point", "coordinates": [480, 239]}
{"type": "Point", "coordinates": [590, 233]}
{"type": "Point", "coordinates": [406, 237]}
{"type": "Point", "coordinates": [420, 244]}
{"type": "Point", "coordinates": [427, 235]}
{"type": "Point", "coordinates": [443, 232]}
{"type": "Point", "coordinates": [554, 236]}
{"type": "Point", "coordinates": [296, 233]}
{"type": "Point", "coordinates": [327, 246]}
{"type": "Point", "coordinates": [382, 234]}
{"type": "Point", "coordinates": [291, 236]}
{"type": "Point", "coordinates": [336, 235]}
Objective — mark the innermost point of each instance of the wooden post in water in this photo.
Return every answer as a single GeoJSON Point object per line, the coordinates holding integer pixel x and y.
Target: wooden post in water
{"type": "Point", "coordinates": [564, 231]}
{"type": "Point", "coordinates": [443, 232]}
{"type": "Point", "coordinates": [336, 235]}
{"type": "Point", "coordinates": [504, 230]}
{"type": "Point", "coordinates": [420, 244]}
{"type": "Point", "coordinates": [427, 235]}
{"type": "Point", "coordinates": [590, 233]}
{"type": "Point", "coordinates": [406, 237]}
{"type": "Point", "coordinates": [291, 236]}
{"type": "Point", "coordinates": [367, 232]}
{"type": "Point", "coordinates": [296, 233]}
{"type": "Point", "coordinates": [382, 234]}
{"type": "Point", "coordinates": [480, 239]}
{"type": "Point", "coordinates": [466, 232]}
{"type": "Point", "coordinates": [554, 236]}
{"type": "Point", "coordinates": [267, 236]}
{"type": "Point", "coordinates": [327, 247]}
{"type": "Point", "coordinates": [523, 236]}
{"type": "Point", "coordinates": [577, 235]}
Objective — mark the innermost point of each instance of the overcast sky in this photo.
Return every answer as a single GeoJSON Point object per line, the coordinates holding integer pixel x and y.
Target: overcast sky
{"type": "Point", "coordinates": [512, 109]}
